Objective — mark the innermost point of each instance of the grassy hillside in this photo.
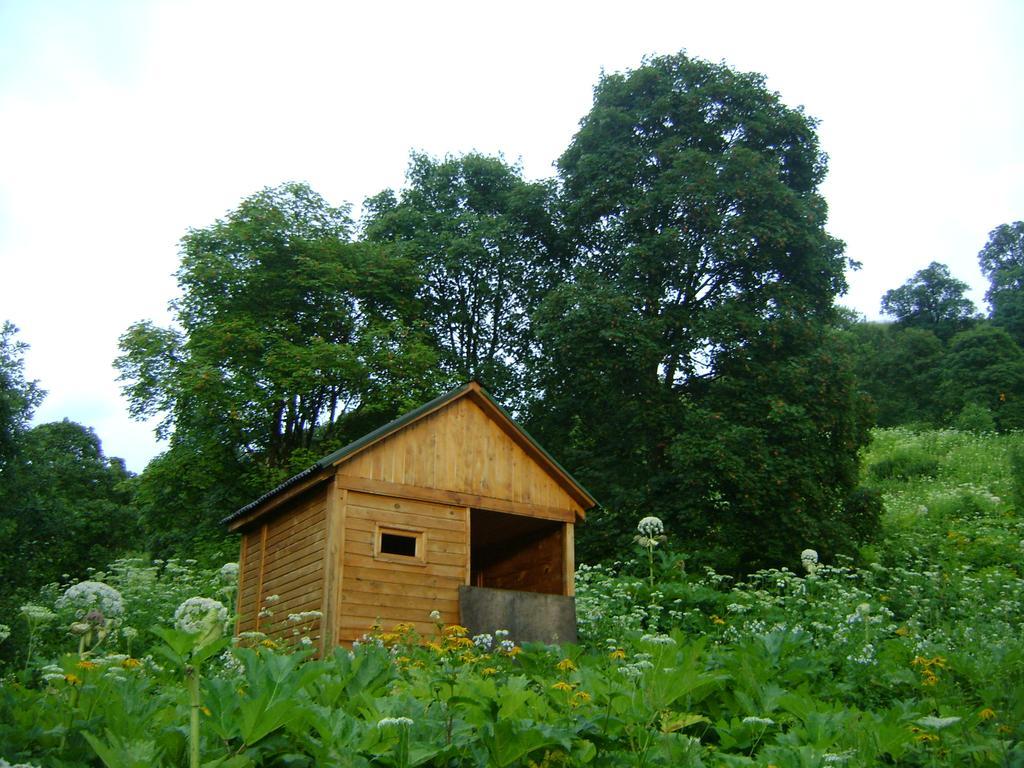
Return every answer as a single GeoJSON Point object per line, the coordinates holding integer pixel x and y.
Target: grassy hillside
{"type": "Point", "coordinates": [913, 657]}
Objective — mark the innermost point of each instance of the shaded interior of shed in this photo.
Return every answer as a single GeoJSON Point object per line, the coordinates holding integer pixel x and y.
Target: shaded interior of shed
{"type": "Point", "coordinates": [516, 552]}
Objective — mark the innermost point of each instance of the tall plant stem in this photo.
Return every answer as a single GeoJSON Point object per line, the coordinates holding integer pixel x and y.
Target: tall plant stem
{"type": "Point", "coordinates": [192, 679]}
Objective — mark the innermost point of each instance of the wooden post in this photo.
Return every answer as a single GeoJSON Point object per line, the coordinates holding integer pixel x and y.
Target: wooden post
{"type": "Point", "coordinates": [334, 563]}
{"type": "Point", "coordinates": [262, 569]}
{"type": "Point", "coordinates": [569, 559]}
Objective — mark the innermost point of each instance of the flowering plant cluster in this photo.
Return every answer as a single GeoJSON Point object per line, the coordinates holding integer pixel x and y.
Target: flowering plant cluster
{"type": "Point", "coordinates": [900, 660]}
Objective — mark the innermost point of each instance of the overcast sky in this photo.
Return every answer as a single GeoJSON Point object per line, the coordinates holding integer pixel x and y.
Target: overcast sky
{"type": "Point", "coordinates": [122, 124]}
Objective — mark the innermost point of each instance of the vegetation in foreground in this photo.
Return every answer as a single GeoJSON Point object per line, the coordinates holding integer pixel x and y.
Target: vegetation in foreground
{"type": "Point", "coordinates": [915, 659]}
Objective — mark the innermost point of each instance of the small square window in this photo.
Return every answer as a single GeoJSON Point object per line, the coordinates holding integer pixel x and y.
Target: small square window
{"type": "Point", "coordinates": [401, 545]}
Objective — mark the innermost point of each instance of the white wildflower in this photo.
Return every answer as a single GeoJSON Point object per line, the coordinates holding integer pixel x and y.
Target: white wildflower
{"type": "Point", "coordinates": [385, 722]}
{"type": "Point", "coordinates": [228, 572]}
{"type": "Point", "coordinates": [938, 723]}
{"type": "Point", "coordinates": [199, 613]}
{"type": "Point", "coordinates": [809, 560]}
{"type": "Point", "coordinates": [87, 596]}
{"type": "Point", "coordinates": [658, 640]}
{"type": "Point", "coordinates": [650, 527]}
{"type": "Point", "coordinates": [752, 720]}
{"type": "Point", "coordinates": [37, 614]}
{"type": "Point", "coordinates": [435, 615]}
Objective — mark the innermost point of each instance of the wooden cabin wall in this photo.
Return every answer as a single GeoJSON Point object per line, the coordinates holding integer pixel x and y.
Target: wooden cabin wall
{"type": "Point", "coordinates": [394, 592]}
{"type": "Point", "coordinates": [532, 563]}
{"type": "Point", "coordinates": [284, 556]}
{"type": "Point", "coordinates": [460, 449]}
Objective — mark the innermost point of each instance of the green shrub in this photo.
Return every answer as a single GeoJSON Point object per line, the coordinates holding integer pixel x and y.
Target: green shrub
{"type": "Point", "coordinates": [905, 464]}
{"type": "Point", "coordinates": [975, 418]}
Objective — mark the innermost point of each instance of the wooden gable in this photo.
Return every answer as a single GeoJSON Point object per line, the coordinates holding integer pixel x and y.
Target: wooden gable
{"type": "Point", "coordinates": [470, 453]}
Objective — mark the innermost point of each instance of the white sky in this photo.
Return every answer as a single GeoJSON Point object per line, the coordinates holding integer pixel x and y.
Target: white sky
{"type": "Point", "coordinates": [124, 123]}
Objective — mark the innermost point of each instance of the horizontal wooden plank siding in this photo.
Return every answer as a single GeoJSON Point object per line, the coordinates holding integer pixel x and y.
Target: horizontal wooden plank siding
{"type": "Point", "coordinates": [391, 591]}
{"type": "Point", "coordinates": [460, 449]}
{"type": "Point", "coordinates": [287, 561]}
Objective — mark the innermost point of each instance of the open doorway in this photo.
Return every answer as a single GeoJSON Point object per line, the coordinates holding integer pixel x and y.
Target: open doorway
{"type": "Point", "coordinates": [517, 552]}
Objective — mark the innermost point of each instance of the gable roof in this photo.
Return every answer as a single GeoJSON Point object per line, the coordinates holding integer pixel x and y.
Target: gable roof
{"type": "Point", "coordinates": [482, 398]}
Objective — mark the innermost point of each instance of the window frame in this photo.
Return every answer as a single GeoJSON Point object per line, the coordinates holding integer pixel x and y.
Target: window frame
{"type": "Point", "coordinates": [417, 534]}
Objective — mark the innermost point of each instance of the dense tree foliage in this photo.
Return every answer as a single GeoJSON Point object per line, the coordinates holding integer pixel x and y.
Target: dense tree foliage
{"type": "Point", "coordinates": [67, 507]}
{"type": "Point", "coordinates": [662, 314]}
{"type": "Point", "coordinates": [284, 328]}
{"type": "Point", "coordinates": [487, 249]}
{"type": "Point", "coordinates": [18, 397]}
{"type": "Point", "coordinates": [900, 369]}
{"type": "Point", "coordinates": [704, 278]}
{"type": "Point", "coordinates": [1002, 262]}
{"type": "Point", "coordinates": [932, 300]}
{"type": "Point", "coordinates": [290, 339]}
{"type": "Point", "coordinates": [985, 367]}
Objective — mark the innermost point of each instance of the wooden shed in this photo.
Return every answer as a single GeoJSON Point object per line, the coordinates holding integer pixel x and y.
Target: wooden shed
{"type": "Point", "coordinates": [451, 508]}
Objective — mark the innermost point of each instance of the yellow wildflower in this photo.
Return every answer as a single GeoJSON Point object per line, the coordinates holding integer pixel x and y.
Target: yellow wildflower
{"type": "Point", "coordinates": [459, 642]}
{"type": "Point", "coordinates": [488, 671]}
{"type": "Point", "coordinates": [561, 685]}
{"type": "Point", "coordinates": [86, 665]}
{"type": "Point", "coordinates": [987, 713]}
{"type": "Point", "coordinates": [131, 663]}
{"type": "Point", "coordinates": [926, 737]}
{"type": "Point", "coordinates": [268, 643]}
{"type": "Point", "coordinates": [580, 697]}
{"type": "Point", "coordinates": [618, 653]}
{"type": "Point", "coordinates": [205, 711]}
{"type": "Point", "coordinates": [455, 630]}
{"type": "Point", "coordinates": [902, 632]}
{"type": "Point", "coordinates": [73, 679]}
{"type": "Point", "coordinates": [716, 619]}
{"type": "Point", "coordinates": [566, 665]}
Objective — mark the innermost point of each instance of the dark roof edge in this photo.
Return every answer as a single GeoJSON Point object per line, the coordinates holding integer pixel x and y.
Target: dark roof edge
{"type": "Point", "coordinates": [294, 479]}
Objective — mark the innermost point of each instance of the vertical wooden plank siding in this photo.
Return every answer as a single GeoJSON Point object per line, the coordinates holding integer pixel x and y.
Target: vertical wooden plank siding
{"type": "Point", "coordinates": [390, 591]}
{"type": "Point", "coordinates": [569, 559]}
{"type": "Point", "coordinates": [259, 583]}
{"type": "Point", "coordinates": [460, 448]}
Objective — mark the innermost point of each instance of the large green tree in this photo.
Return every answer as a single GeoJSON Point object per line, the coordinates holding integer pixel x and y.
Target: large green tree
{"type": "Point", "coordinates": [284, 327]}
{"type": "Point", "coordinates": [289, 338]}
{"type": "Point", "coordinates": [1002, 262]}
{"type": "Point", "coordinates": [932, 300]}
{"type": "Point", "coordinates": [487, 248]}
{"type": "Point", "coordinates": [704, 280]}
